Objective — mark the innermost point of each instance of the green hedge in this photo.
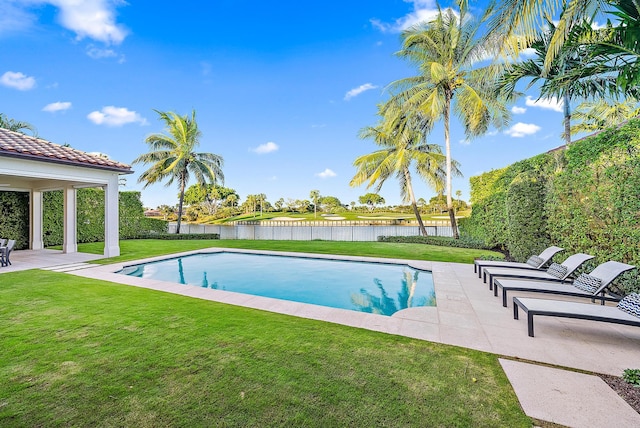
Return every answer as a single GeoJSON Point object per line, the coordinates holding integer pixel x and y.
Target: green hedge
{"type": "Point", "coordinates": [14, 222]}
{"type": "Point", "coordinates": [174, 237]}
{"type": "Point", "coordinates": [14, 217]}
{"type": "Point", "coordinates": [585, 198]}
{"type": "Point", "coordinates": [463, 242]}
{"type": "Point", "coordinates": [90, 214]}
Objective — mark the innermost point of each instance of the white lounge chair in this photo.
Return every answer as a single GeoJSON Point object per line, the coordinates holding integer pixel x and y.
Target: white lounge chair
{"type": "Point", "coordinates": [588, 286]}
{"type": "Point", "coordinates": [534, 262]}
{"type": "Point", "coordinates": [627, 312]}
{"type": "Point", "coordinates": [556, 272]}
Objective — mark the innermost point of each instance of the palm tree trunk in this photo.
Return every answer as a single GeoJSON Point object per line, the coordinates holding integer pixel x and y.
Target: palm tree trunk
{"type": "Point", "coordinates": [414, 205]}
{"type": "Point", "coordinates": [452, 214]}
{"type": "Point", "coordinates": [567, 118]}
{"type": "Point", "coordinates": [182, 185]}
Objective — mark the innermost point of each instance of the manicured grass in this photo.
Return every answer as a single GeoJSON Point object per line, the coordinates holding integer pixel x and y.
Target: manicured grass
{"type": "Point", "coordinates": [138, 249]}
{"type": "Point", "coordinates": [81, 352]}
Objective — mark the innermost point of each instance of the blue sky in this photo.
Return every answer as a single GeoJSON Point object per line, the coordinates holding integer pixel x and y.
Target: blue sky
{"type": "Point", "coordinates": [280, 89]}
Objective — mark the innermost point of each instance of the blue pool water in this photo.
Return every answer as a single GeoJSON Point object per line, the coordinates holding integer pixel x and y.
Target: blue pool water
{"type": "Point", "coordinates": [379, 288]}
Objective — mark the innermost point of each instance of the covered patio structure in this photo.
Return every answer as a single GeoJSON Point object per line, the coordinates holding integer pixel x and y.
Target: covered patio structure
{"type": "Point", "coordinates": [34, 165]}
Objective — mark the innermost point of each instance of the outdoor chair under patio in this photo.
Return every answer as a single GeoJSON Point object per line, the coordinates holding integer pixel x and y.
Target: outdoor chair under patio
{"type": "Point", "coordinates": [627, 312]}
{"type": "Point", "coordinates": [3, 242]}
{"type": "Point", "coordinates": [556, 272]}
{"type": "Point", "coordinates": [534, 262]}
{"type": "Point", "coordinates": [5, 253]}
{"type": "Point", "coordinates": [590, 286]}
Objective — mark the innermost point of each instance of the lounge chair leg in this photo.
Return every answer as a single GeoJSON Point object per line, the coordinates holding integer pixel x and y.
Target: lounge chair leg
{"type": "Point", "coordinates": [530, 323]}
{"type": "Point", "coordinates": [495, 289]}
{"type": "Point", "coordinates": [504, 297]}
{"type": "Point", "coordinates": [515, 311]}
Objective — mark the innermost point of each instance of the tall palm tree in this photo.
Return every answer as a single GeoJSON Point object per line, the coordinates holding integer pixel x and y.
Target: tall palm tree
{"type": "Point", "coordinates": [402, 145]}
{"type": "Point", "coordinates": [16, 125]}
{"type": "Point", "coordinates": [572, 73]}
{"type": "Point", "coordinates": [173, 157]}
{"type": "Point", "coordinates": [315, 195]}
{"type": "Point", "coordinates": [447, 51]}
{"type": "Point", "coordinates": [601, 114]}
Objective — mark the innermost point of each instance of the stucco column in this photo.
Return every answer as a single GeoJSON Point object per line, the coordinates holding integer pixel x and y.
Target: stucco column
{"type": "Point", "coordinates": [70, 240]}
{"type": "Point", "coordinates": [36, 220]}
{"type": "Point", "coordinates": [111, 218]}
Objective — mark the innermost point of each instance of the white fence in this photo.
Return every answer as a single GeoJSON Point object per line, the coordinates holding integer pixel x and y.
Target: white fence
{"type": "Point", "coordinates": [333, 232]}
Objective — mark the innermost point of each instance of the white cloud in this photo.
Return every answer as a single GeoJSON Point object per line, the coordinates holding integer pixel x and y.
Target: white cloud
{"type": "Point", "coordinates": [57, 106]}
{"type": "Point", "coordinates": [95, 19]}
{"type": "Point", "coordinates": [99, 53]}
{"type": "Point", "coordinates": [546, 103]}
{"type": "Point", "coordinates": [527, 53]}
{"type": "Point", "coordinates": [465, 142]}
{"type": "Point", "coordinates": [115, 116]}
{"type": "Point", "coordinates": [357, 91]}
{"type": "Point", "coordinates": [266, 148]}
{"type": "Point", "coordinates": [423, 11]}
{"type": "Point", "coordinates": [14, 18]}
{"type": "Point", "coordinates": [518, 110]}
{"type": "Point", "coordinates": [17, 80]}
{"type": "Point", "coordinates": [522, 129]}
{"type": "Point", "coordinates": [327, 173]}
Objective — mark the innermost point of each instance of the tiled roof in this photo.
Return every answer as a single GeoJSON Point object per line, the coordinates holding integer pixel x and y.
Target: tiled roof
{"type": "Point", "coordinates": [23, 146]}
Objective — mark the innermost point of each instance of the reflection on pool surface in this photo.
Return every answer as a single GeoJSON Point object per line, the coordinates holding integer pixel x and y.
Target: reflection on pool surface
{"type": "Point", "coordinates": [380, 288]}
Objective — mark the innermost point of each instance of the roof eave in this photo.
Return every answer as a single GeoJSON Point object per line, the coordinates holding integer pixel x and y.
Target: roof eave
{"type": "Point", "coordinates": [119, 170]}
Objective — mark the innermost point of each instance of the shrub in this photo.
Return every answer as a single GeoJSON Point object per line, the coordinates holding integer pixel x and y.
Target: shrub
{"type": "Point", "coordinates": [173, 237]}
{"type": "Point", "coordinates": [632, 376]}
{"type": "Point", "coordinates": [14, 221]}
{"type": "Point", "coordinates": [14, 218]}
{"type": "Point", "coordinates": [585, 198]}
{"type": "Point", "coordinates": [463, 242]}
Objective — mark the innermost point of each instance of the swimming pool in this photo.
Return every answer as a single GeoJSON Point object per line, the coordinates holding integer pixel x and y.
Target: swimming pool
{"type": "Point", "coordinates": [380, 288]}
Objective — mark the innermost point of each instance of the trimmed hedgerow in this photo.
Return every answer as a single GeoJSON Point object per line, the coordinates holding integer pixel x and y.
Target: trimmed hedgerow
{"type": "Point", "coordinates": [14, 220]}
{"type": "Point", "coordinates": [174, 237]}
{"type": "Point", "coordinates": [585, 198]}
{"type": "Point", "coordinates": [463, 242]}
{"type": "Point", "coordinates": [14, 217]}
{"type": "Point", "coordinates": [90, 215]}
{"type": "Point", "coordinates": [526, 219]}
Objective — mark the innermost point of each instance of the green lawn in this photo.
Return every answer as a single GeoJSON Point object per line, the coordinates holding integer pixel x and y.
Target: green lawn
{"type": "Point", "coordinates": [81, 352]}
{"type": "Point", "coordinates": [137, 249]}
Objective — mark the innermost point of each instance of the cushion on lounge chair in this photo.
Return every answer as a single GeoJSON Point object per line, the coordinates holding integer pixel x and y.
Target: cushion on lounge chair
{"type": "Point", "coordinates": [535, 261]}
{"type": "Point", "coordinates": [587, 283]}
{"type": "Point", "coordinates": [557, 270]}
{"type": "Point", "coordinates": [631, 304]}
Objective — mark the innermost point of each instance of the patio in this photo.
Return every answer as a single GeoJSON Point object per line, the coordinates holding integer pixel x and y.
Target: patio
{"type": "Point", "coordinates": [46, 259]}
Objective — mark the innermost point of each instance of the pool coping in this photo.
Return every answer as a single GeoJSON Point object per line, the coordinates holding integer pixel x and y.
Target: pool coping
{"type": "Point", "coordinates": [347, 317]}
{"type": "Point", "coordinates": [466, 314]}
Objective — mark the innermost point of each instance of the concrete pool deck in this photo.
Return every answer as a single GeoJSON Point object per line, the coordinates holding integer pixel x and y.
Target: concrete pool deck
{"type": "Point", "coordinates": [468, 315]}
